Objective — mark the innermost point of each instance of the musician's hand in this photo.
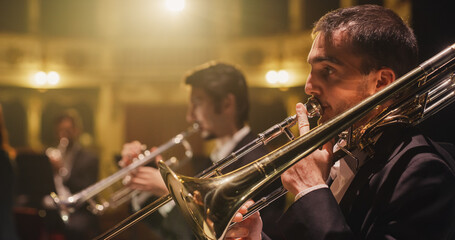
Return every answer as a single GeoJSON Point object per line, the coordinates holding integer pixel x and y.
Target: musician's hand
{"type": "Point", "coordinates": [249, 228]}
{"type": "Point", "coordinates": [148, 179]}
{"type": "Point", "coordinates": [55, 158]}
{"type": "Point", "coordinates": [313, 169]}
{"type": "Point", "coordinates": [131, 151]}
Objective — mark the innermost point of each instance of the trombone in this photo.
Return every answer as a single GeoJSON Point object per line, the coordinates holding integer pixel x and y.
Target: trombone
{"type": "Point", "coordinates": [210, 204]}
{"type": "Point", "coordinates": [314, 110]}
{"type": "Point", "coordinates": [66, 204]}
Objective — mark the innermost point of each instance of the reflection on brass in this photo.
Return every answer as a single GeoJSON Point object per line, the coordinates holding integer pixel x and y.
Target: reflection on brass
{"type": "Point", "coordinates": [224, 195]}
{"type": "Point", "coordinates": [124, 194]}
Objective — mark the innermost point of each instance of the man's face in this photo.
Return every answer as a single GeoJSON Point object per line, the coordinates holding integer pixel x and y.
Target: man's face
{"type": "Point", "coordinates": [335, 78]}
{"type": "Point", "coordinates": [201, 109]}
{"type": "Point", "coordinates": [66, 129]}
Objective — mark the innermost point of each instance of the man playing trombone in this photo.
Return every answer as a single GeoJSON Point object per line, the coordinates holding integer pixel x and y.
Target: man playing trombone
{"type": "Point", "coordinates": [402, 185]}
{"type": "Point", "coordinates": [219, 104]}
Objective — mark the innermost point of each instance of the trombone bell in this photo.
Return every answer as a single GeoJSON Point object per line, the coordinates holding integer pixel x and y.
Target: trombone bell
{"type": "Point", "coordinates": [209, 204]}
{"type": "Point", "coordinates": [191, 194]}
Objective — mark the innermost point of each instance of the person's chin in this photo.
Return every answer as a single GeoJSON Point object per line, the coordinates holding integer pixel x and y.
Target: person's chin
{"type": "Point", "coordinates": [327, 115]}
{"type": "Point", "coordinates": [323, 120]}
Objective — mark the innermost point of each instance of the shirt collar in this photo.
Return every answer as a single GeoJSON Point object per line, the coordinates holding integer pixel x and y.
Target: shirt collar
{"type": "Point", "coordinates": [225, 145]}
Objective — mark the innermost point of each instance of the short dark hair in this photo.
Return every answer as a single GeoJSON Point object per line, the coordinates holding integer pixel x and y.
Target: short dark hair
{"type": "Point", "coordinates": [73, 116]}
{"type": "Point", "coordinates": [378, 34]}
{"type": "Point", "coordinates": [218, 80]}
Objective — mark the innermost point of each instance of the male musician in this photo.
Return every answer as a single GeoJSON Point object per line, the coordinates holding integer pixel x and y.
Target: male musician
{"type": "Point", "coordinates": [219, 104]}
{"type": "Point", "coordinates": [75, 169]}
{"type": "Point", "coordinates": [404, 188]}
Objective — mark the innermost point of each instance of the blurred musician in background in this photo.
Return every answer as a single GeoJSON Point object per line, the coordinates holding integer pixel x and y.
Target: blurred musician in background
{"type": "Point", "coordinates": [75, 168]}
{"type": "Point", "coordinates": [7, 154]}
{"type": "Point", "coordinates": [405, 190]}
{"type": "Point", "coordinates": [219, 104]}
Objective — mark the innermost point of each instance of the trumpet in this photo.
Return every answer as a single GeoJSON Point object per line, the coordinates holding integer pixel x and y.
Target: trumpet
{"type": "Point", "coordinates": [56, 154]}
{"type": "Point", "coordinates": [67, 204]}
{"type": "Point", "coordinates": [210, 204]}
{"type": "Point", "coordinates": [314, 111]}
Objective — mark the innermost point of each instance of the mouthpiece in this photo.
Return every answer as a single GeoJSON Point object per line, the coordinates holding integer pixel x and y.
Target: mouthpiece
{"type": "Point", "coordinates": [313, 107]}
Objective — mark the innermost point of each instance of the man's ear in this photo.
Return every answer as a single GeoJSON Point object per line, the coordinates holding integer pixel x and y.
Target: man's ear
{"type": "Point", "coordinates": [385, 77]}
{"type": "Point", "coordinates": [229, 103]}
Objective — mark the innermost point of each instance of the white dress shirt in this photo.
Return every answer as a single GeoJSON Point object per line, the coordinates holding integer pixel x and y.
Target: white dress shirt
{"type": "Point", "coordinates": [342, 173]}
{"type": "Point", "coordinates": [225, 145]}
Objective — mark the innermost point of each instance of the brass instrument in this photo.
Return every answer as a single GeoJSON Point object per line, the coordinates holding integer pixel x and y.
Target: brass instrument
{"type": "Point", "coordinates": [125, 194]}
{"type": "Point", "coordinates": [56, 154]}
{"type": "Point", "coordinates": [314, 110]}
{"type": "Point", "coordinates": [67, 204]}
{"type": "Point", "coordinates": [210, 204]}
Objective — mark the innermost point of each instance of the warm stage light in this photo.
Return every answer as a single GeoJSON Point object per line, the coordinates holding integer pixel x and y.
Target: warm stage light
{"type": "Point", "coordinates": [41, 78]}
{"type": "Point", "coordinates": [175, 5]}
{"type": "Point", "coordinates": [274, 77]}
{"type": "Point", "coordinates": [53, 78]}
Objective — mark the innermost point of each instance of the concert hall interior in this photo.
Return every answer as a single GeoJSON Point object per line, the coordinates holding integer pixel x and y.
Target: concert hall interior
{"type": "Point", "coordinates": [120, 65]}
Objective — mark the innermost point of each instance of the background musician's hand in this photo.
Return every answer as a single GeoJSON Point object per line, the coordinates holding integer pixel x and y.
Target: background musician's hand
{"type": "Point", "coordinates": [313, 169]}
{"type": "Point", "coordinates": [131, 151]}
{"type": "Point", "coordinates": [249, 228]}
{"type": "Point", "coordinates": [148, 179]}
{"type": "Point", "coordinates": [55, 158]}
{"type": "Point", "coordinates": [142, 178]}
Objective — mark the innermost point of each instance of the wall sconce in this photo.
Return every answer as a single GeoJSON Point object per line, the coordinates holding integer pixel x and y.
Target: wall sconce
{"type": "Point", "coordinates": [42, 79]}
{"type": "Point", "coordinates": [277, 77]}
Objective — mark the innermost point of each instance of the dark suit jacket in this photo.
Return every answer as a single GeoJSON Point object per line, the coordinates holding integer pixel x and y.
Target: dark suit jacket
{"type": "Point", "coordinates": [405, 191]}
{"type": "Point", "coordinates": [84, 171]}
{"type": "Point", "coordinates": [174, 226]}
{"type": "Point", "coordinates": [274, 210]}
{"type": "Point", "coordinates": [82, 223]}
{"type": "Point", "coordinates": [249, 157]}
{"type": "Point", "coordinates": [7, 224]}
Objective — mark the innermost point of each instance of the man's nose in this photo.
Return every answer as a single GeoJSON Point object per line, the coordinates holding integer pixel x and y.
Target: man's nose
{"type": "Point", "coordinates": [190, 115]}
{"type": "Point", "coordinates": [311, 86]}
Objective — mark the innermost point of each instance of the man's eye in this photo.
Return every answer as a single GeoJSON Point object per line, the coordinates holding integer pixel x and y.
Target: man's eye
{"type": "Point", "coordinates": [196, 103]}
{"type": "Point", "coordinates": [328, 70]}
